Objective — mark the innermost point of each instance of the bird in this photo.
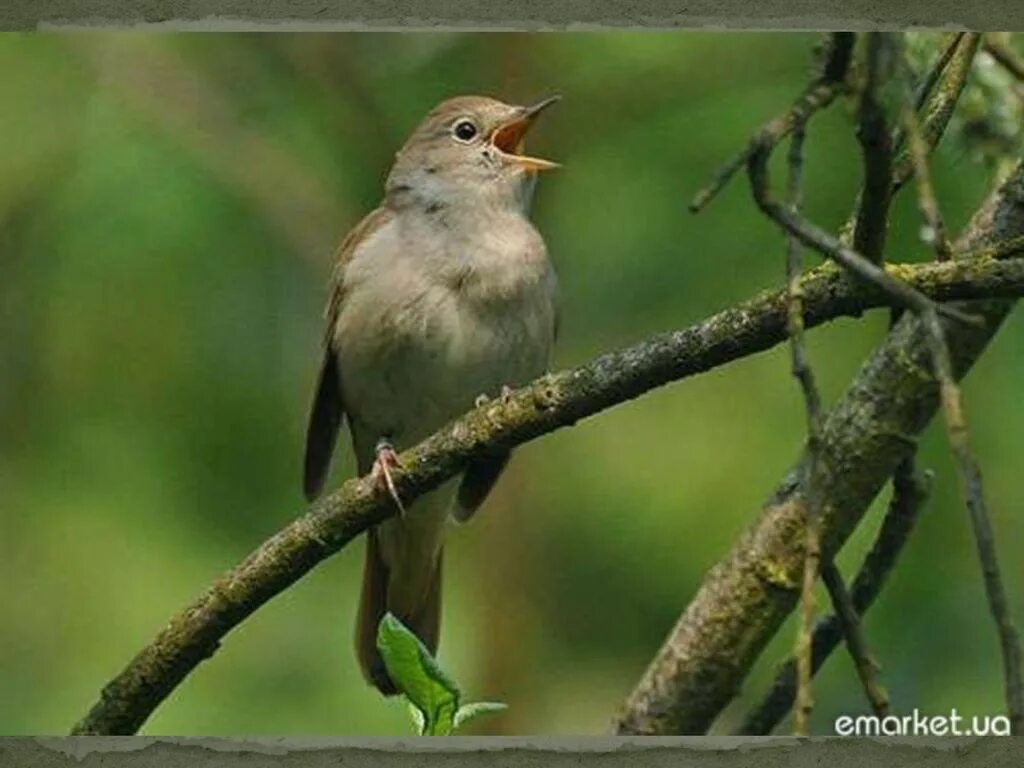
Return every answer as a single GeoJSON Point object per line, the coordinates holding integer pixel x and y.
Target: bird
{"type": "Point", "coordinates": [440, 298]}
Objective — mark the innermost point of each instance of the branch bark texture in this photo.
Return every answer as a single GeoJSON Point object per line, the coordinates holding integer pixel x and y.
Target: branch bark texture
{"type": "Point", "coordinates": [554, 401]}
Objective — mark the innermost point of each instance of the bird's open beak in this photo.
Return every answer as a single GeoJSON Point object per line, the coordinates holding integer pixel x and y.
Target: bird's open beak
{"type": "Point", "coordinates": [510, 138]}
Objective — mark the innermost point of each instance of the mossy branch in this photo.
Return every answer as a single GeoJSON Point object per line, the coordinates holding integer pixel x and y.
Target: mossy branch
{"type": "Point", "coordinates": [554, 401]}
{"type": "Point", "coordinates": [747, 595]}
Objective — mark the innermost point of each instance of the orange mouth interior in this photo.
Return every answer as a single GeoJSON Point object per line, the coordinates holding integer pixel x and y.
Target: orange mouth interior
{"type": "Point", "coordinates": [511, 137]}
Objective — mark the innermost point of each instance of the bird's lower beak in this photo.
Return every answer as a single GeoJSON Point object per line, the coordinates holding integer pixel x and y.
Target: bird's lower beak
{"type": "Point", "coordinates": [510, 138]}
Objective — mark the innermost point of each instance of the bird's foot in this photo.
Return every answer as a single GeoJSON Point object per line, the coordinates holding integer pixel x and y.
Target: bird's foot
{"type": "Point", "coordinates": [387, 459]}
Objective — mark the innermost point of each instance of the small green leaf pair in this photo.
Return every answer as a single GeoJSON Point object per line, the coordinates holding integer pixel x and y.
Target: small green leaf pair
{"type": "Point", "coordinates": [432, 694]}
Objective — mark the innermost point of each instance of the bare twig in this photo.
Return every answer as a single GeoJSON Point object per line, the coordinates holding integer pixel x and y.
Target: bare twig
{"type": "Point", "coordinates": [816, 238]}
{"type": "Point", "coordinates": [941, 105]}
{"type": "Point", "coordinates": [926, 199]}
{"type": "Point", "coordinates": [927, 83]}
{"type": "Point", "coordinates": [757, 155]}
{"type": "Point", "coordinates": [804, 375]}
{"type": "Point", "coordinates": [908, 488]}
{"type": "Point", "coordinates": [909, 491]}
{"type": "Point", "coordinates": [868, 223]}
{"type": "Point", "coordinates": [956, 425]}
{"type": "Point", "coordinates": [1007, 57]}
{"type": "Point", "coordinates": [853, 631]}
{"type": "Point", "coordinates": [871, 220]}
{"type": "Point", "coordinates": [818, 95]}
{"type": "Point", "coordinates": [795, 316]}
{"type": "Point", "coordinates": [869, 237]}
{"type": "Point", "coordinates": [970, 478]}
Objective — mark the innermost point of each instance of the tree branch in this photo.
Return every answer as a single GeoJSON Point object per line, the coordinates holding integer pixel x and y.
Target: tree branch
{"type": "Point", "coordinates": [871, 220]}
{"type": "Point", "coordinates": [1007, 57]}
{"type": "Point", "coordinates": [909, 491]}
{"type": "Point", "coordinates": [940, 108]}
{"type": "Point", "coordinates": [811, 235]}
{"type": "Point", "coordinates": [956, 428]}
{"type": "Point", "coordinates": [869, 235]}
{"type": "Point", "coordinates": [551, 402]}
{"type": "Point", "coordinates": [815, 97]}
{"type": "Point", "coordinates": [924, 88]}
{"type": "Point", "coordinates": [856, 641]}
{"type": "Point", "coordinates": [803, 373]}
{"type": "Point", "coordinates": [748, 594]}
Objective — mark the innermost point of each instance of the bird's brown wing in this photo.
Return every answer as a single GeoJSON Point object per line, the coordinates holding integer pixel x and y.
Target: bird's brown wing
{"type": "Point", "coordinates": [328, 409]}
{"type": "Point", "coordinates": [477, 482]}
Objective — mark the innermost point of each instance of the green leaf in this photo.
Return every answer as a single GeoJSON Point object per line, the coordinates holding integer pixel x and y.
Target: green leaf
{"type": "Point", "coordinates": [417, 675]}
{"type": "Point", "coordinates": [475, 709]}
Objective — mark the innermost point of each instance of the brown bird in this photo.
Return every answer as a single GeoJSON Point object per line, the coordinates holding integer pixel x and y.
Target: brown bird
{"type": "Point", "coordinates": [442, 294]}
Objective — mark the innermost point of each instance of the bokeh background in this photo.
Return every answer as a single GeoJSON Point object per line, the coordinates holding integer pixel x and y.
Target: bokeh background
{"type": "Point", "coordinates": [169, 205]}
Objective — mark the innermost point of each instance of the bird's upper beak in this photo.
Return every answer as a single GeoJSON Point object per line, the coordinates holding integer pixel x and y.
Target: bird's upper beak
{"type": "Point", "coordinates": [509, 138]}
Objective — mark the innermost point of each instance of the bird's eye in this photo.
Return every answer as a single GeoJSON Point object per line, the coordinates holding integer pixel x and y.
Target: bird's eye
{"type": "Point", "coordinates": [465, 131]}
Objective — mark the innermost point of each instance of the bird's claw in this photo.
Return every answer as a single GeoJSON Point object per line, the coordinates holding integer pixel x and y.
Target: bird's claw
{"type": "Point", "coordinates": [387, 459]}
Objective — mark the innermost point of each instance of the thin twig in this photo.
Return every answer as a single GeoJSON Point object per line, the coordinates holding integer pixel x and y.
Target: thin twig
{"type": "Point", "coordinates": [924, 88]}
{"type": "Point", "coordinates": [956, 425]}
{"type": "Point", "coordinates": [793, 223]}
{"type": "Point", "coordinates": [970, 478]}
{"type": "Point", "coordinates": [856, 642]}
{"type": "Point", "coordinates": [804, 375]}
{"type": "Point", "coordinates": [901, 294]}
{"type": "Point", "coordinates": [926, 199]}
{"type": "Point", "coordinates": [1005, 55]}
{"type": "Point", "coordinates": [927, 83]}
{"type": "Point", "coordinates": [816, 96]}
{"type": "Point", "coordinates": [871, 220]}
{"type": "Point", "coordinates": [941, 105]}
{"type": "Point", "coordinates": [909, 492]}
{"type": "Point", "coordinates": [869, 238]}
{"type": "Point", "coordinates": [950, 86]}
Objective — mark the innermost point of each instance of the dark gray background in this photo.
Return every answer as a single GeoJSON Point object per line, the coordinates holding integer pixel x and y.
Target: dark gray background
{"type": "Point", "coordinates": [113, 752]}
{"type": "Point", "coordinates": [522, 14]}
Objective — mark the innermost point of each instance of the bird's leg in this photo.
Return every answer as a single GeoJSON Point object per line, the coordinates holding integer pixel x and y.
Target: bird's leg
{"type": "Point", "coordinates": [387, 459]}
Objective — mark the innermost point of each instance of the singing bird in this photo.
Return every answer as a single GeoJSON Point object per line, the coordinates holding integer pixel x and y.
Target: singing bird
{"type": "Point", "coordinates": [441, 295]}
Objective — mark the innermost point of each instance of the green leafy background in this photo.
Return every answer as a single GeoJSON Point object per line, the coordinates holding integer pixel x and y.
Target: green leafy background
{"type": "Point", "coordinates": [168, 209]}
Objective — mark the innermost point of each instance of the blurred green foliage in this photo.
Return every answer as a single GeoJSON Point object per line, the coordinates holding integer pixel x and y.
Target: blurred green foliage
{"type": "Point", "coordinates": [168, 209]}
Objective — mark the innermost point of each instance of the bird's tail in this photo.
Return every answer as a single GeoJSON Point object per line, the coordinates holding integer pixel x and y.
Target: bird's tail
{"type": "Point", "coordinates": [384, 590]}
